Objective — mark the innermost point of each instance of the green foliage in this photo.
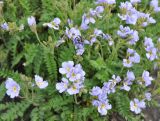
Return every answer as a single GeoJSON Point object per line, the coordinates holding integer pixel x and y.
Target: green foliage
{"type": "Point", "coordinates": [25, 53]}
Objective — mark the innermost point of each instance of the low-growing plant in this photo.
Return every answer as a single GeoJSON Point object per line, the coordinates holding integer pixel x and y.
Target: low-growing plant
{"type": "Point", "coordinates": [78, 60]}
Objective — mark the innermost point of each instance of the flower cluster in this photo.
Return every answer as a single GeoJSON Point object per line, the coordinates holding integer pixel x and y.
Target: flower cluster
{"type": "Point", "coordinates": [128, 34]}
{"type": "Point", "coordinates": [101, 101]}
{"type": "Point", "coordinates": [90, 17]}
{"type": "Point", "coordinates": [73, 78]}
{"type": "Point", "coordinates": [132, 16]}
{"type": "Point", "coordinates": [132, 57]}
{"type": "Point", "coordinates": [100, 95]}
{"type": "Point", "coordinates": [151, 50]}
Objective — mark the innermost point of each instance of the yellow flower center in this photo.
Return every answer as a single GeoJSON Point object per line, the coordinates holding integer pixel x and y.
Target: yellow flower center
{"type": "Point", "coordinates": [39, 83]}
{"type": "Point", "coordinates": [14, 88]}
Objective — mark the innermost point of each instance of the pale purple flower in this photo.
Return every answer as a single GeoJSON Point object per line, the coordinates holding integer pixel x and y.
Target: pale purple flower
{"type": "Point", "coordinates": [132, 57]}
{"type": "Point", "coordinates": [112, 82]}
{"type": "Point", "coordinates": [127, 33]}
{"type": "Point", "coordinates": [53, 24]}
{"type": "Point", "coordinates": [62, 86]}
{"type": "Point", "coordinates": [31, 21]}
{"type": "Point", "coordinates": [136, 106]}
{"type": "Point", "coordinates": [72, 33]}
{"type": "Point", "coordinates": [148, 43]}
{"type": "Point", "coordinates": [73, 89]}
{"type": "Point", "coordinates": [154, 4]}
{"type": "Point", "coordinates": [135, 1]}
{"type": "Point", "coordinates": [124, 31]}
{"type": "Point", "coordinates": [86, 19]}
{"type": "Point", "coordinates": [110, 2]}
{"type": "Point", "coordinates": [131, 19]}
{"type": "Point", "coordinates": [97, 33]}
{"type": "Point", "coordinates": [40, 82]}
{"type": "Point", "coordinates": [5, 26]}
{"type": "Point", "coordinates": [127, 63]}
{"type": "Point", "coordinates": [148, 96]}
{"type": "Point", "coordinates": [128, 81]}
{"type": "Point", "coordinates": [135, 58]}
{"type": "Point", "coordinates": [12, 87]}
{"type": "Point", "coordinates": [151, 54]}
{"type": "Point", "coordinates": [74, 74]}
{"type": "Point", "coordinates": [130, 76]}
{"type": "Point", "coordinates": [96, 12]}
{"type": "Point", "coordinates": [146, 79]}
{"type": "Point", "coordinates": [146, 19]}
{"type": "Point", "coordinates": [66, 67]}
{"type": "Point", "coordinates": [103, 107]}
{"type": "Point", "coordinates": [96, 91]}
{"type": "Point", "coordinates": [108, 87]}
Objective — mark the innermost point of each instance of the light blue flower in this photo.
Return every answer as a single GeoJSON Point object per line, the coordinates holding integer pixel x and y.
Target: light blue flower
{"type": "Point", "coordinates": [146, 78]}
{"type": "Point", "coordinates": [40, 83]}
{"type": "Point", "coordinates": [53, 24]}
{"type": "Point", "coordinates": [135, 1]}
{"type": "Point", "coordinates": [110, 2]}
{"type": "Point", "coordinates": [31, 21]}
{"type": "Point", "coordinates": [12, 87]}
{"type": "Point", "coordinates": [5, 26]}
{"type": "Point", "coordinates": [103, 107]}
{"type": "Point", "coordinates": [62, 86]}
{"type": "Point", "coordinates": [66, 67]}
{"type": "Point", "coordinates": [148, 96]}
{"type": "Point", "coordinates": [154, 4]}
{"type": "Point", "coordinates": [136, 106]}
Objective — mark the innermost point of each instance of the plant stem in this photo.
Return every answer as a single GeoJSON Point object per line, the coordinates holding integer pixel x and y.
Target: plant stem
{"type": "Point", "coordinates": [38, 39]}
{"type": "Point", "coordinates": [75, 99]}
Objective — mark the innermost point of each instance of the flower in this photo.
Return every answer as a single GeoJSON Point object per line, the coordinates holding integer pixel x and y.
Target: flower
{"type": "Point", "coordinates": [148, 96]}
{"type": "Point", "coordinates": [12, 87]}
{"type": "Point", "coordinates": [96, 91]}
{"type": "Point", "coordinates": [128, 81]}
{"type": "Point", "coordinates": [132, 57]}
{"type": "Point", "coordinates": [72, 33]}
{"type": "Point", "coordinates": [135, 1]}
{"type": "Point", "coordinates": [66, 67]}
{"type": "Point", "coordinates": [86, 19]}
{"type": "Point", "coordinates": [128, 34]}
{"type": "Point", "coordinates": [62, 86]}
{"type": "Point", "coordinates": [137, 106]}
{"type": "Point", "coordinates": [146, 79]}
{"type": "Point", "coordinates": [110, 2]}
{"type": "Point", "coordinates": [53, 24]}
{"type": "Point", "coordinates": [74, 89]}
{"type": "Point", "coordinates": [154, 5]}
{"type": "Point", "coordinates": [151, 50]}
{"type": "Point", "coordinates": [5, 26]}
{"type": "Point", "coordinates": [152, 54]}
{"type": "Point", "coordinates": [31, 21]}
{"type": "Point", "coordinates": [40, 83]}
{"type": "Point", "coordinates": [103, 107]}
